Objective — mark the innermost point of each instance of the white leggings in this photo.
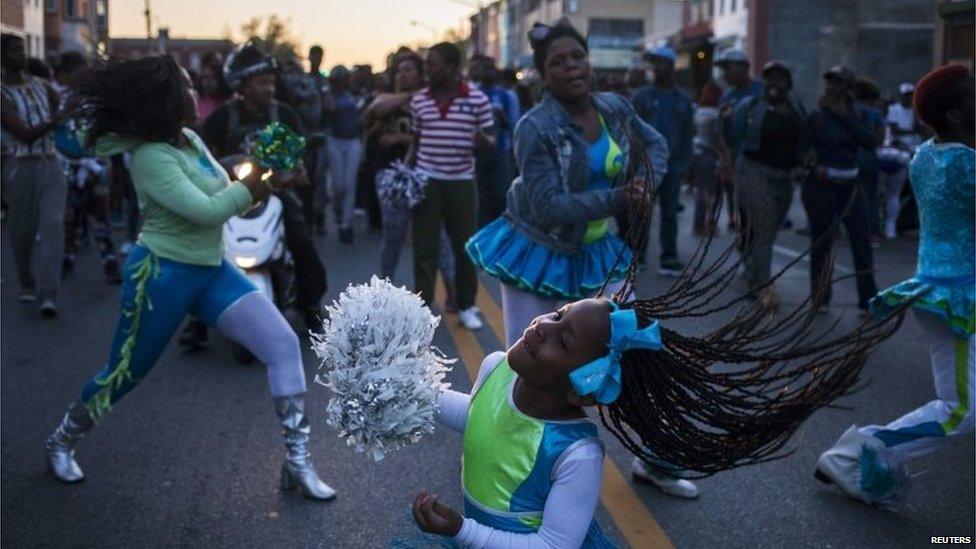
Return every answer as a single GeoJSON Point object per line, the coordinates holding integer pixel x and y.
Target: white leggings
{"type": "Point", "coordinates": [892, 185]}
{"type": "Point", "coordinates": [520, 308]}
{"type": "Point", "coordinates": [255, 322]}
{"type": "Point", "coordinates": [344, 157]}
{"type": "Point", "coordinates": [951, 413]}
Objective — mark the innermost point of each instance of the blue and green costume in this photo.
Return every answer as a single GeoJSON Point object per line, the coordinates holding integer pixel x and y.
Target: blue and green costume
{"type": "Point", "coordinates": [504, 252]}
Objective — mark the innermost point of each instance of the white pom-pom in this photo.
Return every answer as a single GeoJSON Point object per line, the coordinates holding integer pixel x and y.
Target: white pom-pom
{"type": "Point", "coordinates": [378, 361]}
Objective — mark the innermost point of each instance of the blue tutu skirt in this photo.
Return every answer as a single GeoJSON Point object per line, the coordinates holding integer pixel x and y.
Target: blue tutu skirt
{"type": "Point", "coordinates": [503, 252]}
{"type": "Point", "coordinates": [953, 303]}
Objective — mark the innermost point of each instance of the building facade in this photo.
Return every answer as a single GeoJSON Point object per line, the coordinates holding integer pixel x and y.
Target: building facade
{"type": "Point", "coordinates": [188, 52]}
{"type": "Point", "coordinates": [954, 34]}
{"type": "Point", "coordinates": [76, 25]}
{"type": "Point", "coordinates": [25, 18]}
{"type": "Point", "coordinates": [889, 41]}
{"type": "Point", "coordinates": [616, 29]}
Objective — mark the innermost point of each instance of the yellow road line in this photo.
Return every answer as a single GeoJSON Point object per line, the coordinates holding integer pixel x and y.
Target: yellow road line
{"type": "Point", "coordinates": [633, 520]}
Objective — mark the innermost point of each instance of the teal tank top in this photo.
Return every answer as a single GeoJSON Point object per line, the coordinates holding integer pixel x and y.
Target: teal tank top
{"type": "Point", "coordinates": [606, 162]}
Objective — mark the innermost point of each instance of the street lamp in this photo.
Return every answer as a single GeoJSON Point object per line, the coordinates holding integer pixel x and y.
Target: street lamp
{"type": "Point", "coordinates": [433, 31]}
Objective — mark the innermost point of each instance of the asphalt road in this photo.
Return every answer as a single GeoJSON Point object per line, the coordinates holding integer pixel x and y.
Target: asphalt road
{"type": "Point", "coordinates": [191, 457]}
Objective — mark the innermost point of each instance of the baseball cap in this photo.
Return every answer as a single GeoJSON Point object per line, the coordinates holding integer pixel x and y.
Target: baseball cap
{"type": "Point", "coordinates": [906, 88]}
{"type": "Point", "coordinates": [732, 55]}
{"type": "Point", "coordinates": [841, 72]}
{"type": "Point", "coordinates": [663, 52]}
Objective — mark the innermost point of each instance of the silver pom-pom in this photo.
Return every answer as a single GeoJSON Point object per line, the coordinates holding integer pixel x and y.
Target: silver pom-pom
{"type": "Point", "coordinates": [401, 185]}
{"type": "Point", "coordinates": [378, 361]}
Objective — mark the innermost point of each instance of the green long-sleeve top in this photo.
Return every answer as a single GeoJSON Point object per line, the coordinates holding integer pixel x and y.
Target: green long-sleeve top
{"type": "Point", "coordinates": [185, 197]}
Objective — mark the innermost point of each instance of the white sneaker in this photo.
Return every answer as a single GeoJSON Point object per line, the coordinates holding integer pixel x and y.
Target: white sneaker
{"type": "Point", "coordinates": [863, 468]}
{"type": "Point", "coordinates": [891, 231]}
{"type": "Point", "coordinates": [49, 309]}
{"type": "Point", "coordinates": [672, 486]}
{"type": "Point", "coordinates": [469, 318]}
{"type": "Point", "coordinates": [27, 296]}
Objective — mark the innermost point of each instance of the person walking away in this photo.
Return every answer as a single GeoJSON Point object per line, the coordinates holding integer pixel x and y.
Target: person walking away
{"type": "Point", "coordinates": [35, 184]}
{"type": "Point", "coordinates": [300, 91]}
{"type": "Point", "coordinates": [388, 118]}
{"type": "Point", "coordinates": [177, 266]}
{"type": "Point", "coordinates": [837, 132]}
{"type": "Point", "coordinates": [492, 166]}
{"type": "Point", "coordinates": [345, 149]}
{"type": "Point", "coordinates": [451, 119]}
{"type": "Point", "coordinates": [89, 178]}
{"type": "Point", "coordinates": [866, 99]}
{"type": "Point", "coordinates": [733, 71]}
{"type": "Point", "coordinates": [771, 134]}
{"type": "Point", "coordinates": [669, 111]}
{"type": "Point", "coordinates": [319, 166]}
{"type": "Point", "coordinates": [231, 131]}
{"type": "Point", "coordinates": [213, 89]}
{"type": "Point", "coordinates": [901, 139]}
{"type": "Point", "coordinates": [870, 463]}
{"type": "Point", "coordinates": [710, 161]}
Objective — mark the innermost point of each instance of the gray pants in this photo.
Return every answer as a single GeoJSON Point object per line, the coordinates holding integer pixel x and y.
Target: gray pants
{"type": "Point", "coordinates": [764, 195]}
{"type": "Point", "coordinates": [344, 157]}
{"type": "Point", "coordinates": [396, 222]}
{"type": "Point", "coordinates": [37, 193]}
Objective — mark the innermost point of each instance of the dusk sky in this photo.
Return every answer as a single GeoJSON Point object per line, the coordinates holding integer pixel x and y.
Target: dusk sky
{"type": "Point", "coordinates": [358, 31]}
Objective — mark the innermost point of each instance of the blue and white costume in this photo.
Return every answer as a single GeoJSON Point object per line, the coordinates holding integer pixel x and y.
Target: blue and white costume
{"type": "Point", "coordinates": [869, 462]}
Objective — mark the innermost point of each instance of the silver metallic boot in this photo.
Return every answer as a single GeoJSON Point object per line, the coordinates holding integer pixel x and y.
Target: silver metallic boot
{"type": "Point", "coordinates": [297, 470]}
{"type": "Point", "coordinates": [60, 445]}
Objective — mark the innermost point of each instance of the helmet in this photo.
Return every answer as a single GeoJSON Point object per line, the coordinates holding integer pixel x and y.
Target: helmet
{"type": "Point", "coordinates": [245, 61]}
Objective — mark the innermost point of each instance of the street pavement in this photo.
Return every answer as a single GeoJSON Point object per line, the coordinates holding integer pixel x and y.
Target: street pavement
{"type": "Point", "coordinates": [191, 457]}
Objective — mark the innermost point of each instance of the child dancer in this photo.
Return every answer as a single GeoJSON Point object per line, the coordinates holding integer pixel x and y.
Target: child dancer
{"type": "Point", "coordinates": [532, 461]}
{"type": "Point", "coordinates": [868, 463]}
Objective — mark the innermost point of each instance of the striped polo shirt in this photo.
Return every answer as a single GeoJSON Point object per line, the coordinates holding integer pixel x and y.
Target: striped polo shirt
{"type": "Point", "coordinates": [446, 145]}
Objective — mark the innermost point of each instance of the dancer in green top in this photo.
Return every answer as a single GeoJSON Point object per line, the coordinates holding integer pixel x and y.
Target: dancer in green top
{"type": "Point", "coordinates": [176, 267]}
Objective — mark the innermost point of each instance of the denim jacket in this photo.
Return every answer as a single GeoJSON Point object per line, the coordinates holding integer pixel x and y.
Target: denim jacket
{"type": "Point", "coordinates": [747, 123]}
{"type": "Point", "coordinates": [549, 202]}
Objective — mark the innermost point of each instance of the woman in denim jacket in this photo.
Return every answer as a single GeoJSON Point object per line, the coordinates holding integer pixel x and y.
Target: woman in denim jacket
{"type": "Point", "coordinates": [554, 242]}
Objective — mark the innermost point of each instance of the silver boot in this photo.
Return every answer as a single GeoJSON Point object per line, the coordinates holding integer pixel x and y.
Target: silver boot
{"type": "Point", "coordinates": [60, 445]}
{"type": "Point", "coordinates": [297, 470]}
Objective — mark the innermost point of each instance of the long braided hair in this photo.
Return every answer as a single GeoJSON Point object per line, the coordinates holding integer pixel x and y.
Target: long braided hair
{"type": "Point", "coordinates": [734, 395]}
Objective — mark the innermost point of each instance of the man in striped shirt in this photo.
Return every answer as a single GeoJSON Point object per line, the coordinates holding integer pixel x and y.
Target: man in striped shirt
{"type": "Point", "coordinates": [451, 119]}
{"type": "Point", "coordinates": [33, 179]}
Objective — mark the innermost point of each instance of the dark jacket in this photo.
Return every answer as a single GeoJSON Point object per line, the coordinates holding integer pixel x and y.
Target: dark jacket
{"type": "Point", "coordinates": [646, 101]}
{"type": "Point", "coordinates": [747, 122]}
{"type": "Point", "coordinates": [836, 140]}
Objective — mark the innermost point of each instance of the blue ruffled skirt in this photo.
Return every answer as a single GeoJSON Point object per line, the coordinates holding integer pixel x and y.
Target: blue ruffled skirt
{"type": "Point", "coordinates": [952, 302]}
{"type": "Point", "coordinates": [505, 253]}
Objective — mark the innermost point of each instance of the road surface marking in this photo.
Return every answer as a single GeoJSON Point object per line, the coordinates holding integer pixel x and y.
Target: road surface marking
{"type": "Point", "coordinates": [633, 520]}
{"type": "Point", "coordinates": [806, 258]}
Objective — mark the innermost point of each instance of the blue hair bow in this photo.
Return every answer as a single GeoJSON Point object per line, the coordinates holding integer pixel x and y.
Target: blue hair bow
{"type": "Point", "coordinates": [601, 377]}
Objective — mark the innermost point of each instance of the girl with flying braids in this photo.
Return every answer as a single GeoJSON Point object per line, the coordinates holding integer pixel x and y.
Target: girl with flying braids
{"type": "Point", "coordinates": [733, 396]}
{"type": "Point", "coordinates": [869, 463]}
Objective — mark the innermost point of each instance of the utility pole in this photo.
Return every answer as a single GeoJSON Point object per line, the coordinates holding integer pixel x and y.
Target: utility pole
{"type": "Point", "coordinates": [149, 45]}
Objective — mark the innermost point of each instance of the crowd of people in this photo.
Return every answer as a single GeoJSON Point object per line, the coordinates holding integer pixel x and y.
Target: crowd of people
{"type": "Point", "coordinates": [548, 188]}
